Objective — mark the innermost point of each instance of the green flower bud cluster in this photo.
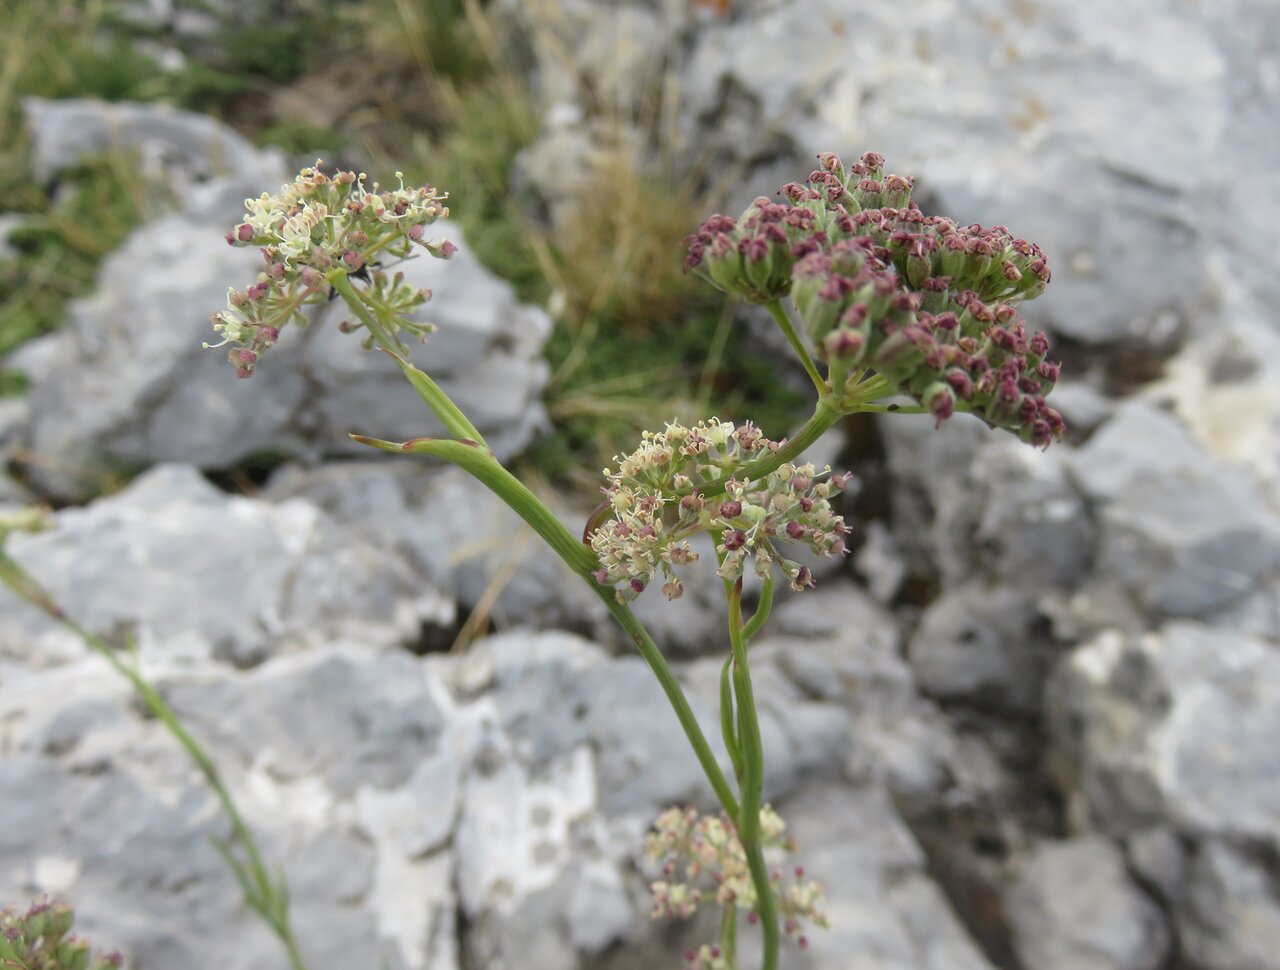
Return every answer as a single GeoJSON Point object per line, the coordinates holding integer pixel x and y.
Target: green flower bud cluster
{"type": "Point", "coordinates": [313, 228]}
{"type": "Point", "coordinates": [656, 507]}
{"type": "Point", "coordinates": [882, 289]}
{"type": "Point", "coordinates": [41, 939]}
{"type": "Point", "coordinates": [702, 860]}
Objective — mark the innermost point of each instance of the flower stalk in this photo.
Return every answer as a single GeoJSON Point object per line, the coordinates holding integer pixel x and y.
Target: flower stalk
{"type": "Point", "coordinates": [887, 301]}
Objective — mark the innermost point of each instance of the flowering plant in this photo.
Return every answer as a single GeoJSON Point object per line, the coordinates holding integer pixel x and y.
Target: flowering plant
{"type": "Point", "coordinates": [888, 303]}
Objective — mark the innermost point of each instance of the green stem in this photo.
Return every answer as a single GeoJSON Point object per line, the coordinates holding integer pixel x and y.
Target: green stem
{"type": "Point", "coordinates": [675, 695]}
{"type": "Point", "coordinates": [729, 936]}
{"type": "Point", "coordinates": [761, 614]}
{"type": "Point", "coordinates": [779, 313]}
{"type": "Point", "coordinates": [751, 788]}
{"type": "Point", "coordinates": [432, 394]}
{"type": "Point", "coordinates": [891, 409]}
{"type": "Point", "coordinates": [728, 729]}
{"type": "Point", "coordinates": [824, 416]}
{"type": "Point", "coordinates": [480, 464]}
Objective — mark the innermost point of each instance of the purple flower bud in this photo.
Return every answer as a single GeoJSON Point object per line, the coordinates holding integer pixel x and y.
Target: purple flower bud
{"type": "Point", "coordinates": [735, 539]}
{"type": "Point", "coordinates": [731, 509]}
{"type": "Point", "coordinates": [961, 383]}
{"type": "Point", "coordinates": [244, 232]}
{"type": "Point", "coordinates": [353, 259]}
{"type": "Point", "coordinates": [1011, 272]}
{"type": "Point", "coordinates": [447, 249]}
{"type": "Point", "coordinates": [417, 231]}
{"type": "Point", "coordinates": [1049, 370]}
{"type": "Point", "coordinates": [830, 162]}
{"type": "Point", "coordinates": [940, 400]}
{"type": "Point", "coordinates": [637, 585]}
{"type": "Point", "coordinates": [1038, 344]}
{"type": "Point", "coordinates": [795, 530]}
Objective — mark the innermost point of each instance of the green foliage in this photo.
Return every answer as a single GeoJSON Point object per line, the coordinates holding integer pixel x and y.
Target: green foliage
{"type": "Point", "coordinates": [612, 382]}
{"type": "Point", "coordinates": [435, 35]}
{"type": "Point", "coordinates": [302, 139]}
{"type": "Point", "coordinates": [63, 239]}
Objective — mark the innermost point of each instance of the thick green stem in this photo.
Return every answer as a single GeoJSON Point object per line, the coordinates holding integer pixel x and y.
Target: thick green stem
{"type": "Point", "coordinates": [752, 785]}
{"type": "Point", "coordinates": [779, 314]}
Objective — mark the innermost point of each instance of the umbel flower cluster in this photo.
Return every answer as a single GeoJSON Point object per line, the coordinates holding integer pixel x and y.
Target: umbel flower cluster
{"type": "Point", "coordinates": [702, 860]}
{"type": "Point", "coordinates": [656, 507]}
{"type": "Point", "coordinates": [882, 289]}
{"type": "Point", "coordinates": [315, 227]}
{"type": "Point", "coordinates": [40, 939]}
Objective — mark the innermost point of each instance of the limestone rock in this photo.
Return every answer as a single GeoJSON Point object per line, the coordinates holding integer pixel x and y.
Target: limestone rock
{"type": "Point", "coordinates": [1073, 907]}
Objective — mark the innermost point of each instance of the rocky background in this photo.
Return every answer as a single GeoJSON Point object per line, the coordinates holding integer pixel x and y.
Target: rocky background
{"type": "Point", "coordinates": [1032, 724]}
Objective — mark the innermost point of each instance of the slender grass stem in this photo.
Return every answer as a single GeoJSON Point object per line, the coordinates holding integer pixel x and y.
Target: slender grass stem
{"type": "Point", "coordinates": [268, 899]}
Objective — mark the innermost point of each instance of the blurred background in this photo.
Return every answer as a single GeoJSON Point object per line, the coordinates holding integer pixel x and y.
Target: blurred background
{"type": "Point", "coordinates": [1029, 724]}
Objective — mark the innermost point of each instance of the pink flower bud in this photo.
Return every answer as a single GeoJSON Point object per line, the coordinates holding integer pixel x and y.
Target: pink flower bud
{"type": "Point", "coordinates": [731, 509]}
{"type": "Point", "coordinates": [353, 259]}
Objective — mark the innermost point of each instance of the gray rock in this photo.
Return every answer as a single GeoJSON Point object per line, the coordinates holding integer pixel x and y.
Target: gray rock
{"type": "Point", "coordinates": [1230, 918]}
{"type": "Point", "coordinates": [340, 719]}
{"type": "Point", "coordinates": [210, 166]}
{"type": "Point", "coordinates": [1158, 858]}
{"type": "Point", "coordinates": [199, 573]}
{"type": "Point", "coordinates": [555, 692]}
{"type": "Point", "coordinates": [1173, 727]}
{"type": "Point", "coordinates": [880, 564]}
{"type": "Point", "coordinates": [127, 383]}
{"type": "Point", "coordinates": [976, 642]}
{"type": "Point", "coordinates": [840, 647]}
{"type": "Point", "coordinates": [116, 819]}
{"type": "Point", "coordinates": [1073, 907]}
{"type": "Point", "coordinates": [970, 500]}
{"type": "Point", "coordinates": [884, 910]}
{"type": "Point", "coordinates": [1185, 535]}
{"type": "Point", "coordinates": [1083, 406]}
{"type": "Point", "coordinates": [1129, 202]}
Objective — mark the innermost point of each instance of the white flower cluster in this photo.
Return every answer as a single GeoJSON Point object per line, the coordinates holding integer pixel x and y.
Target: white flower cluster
{"type": "Point", "coordinates": [656, 506]}
{"type": "Point", "coordinates": [696, 851]}
{"type": "Point", "coordinates": [317, 226]}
